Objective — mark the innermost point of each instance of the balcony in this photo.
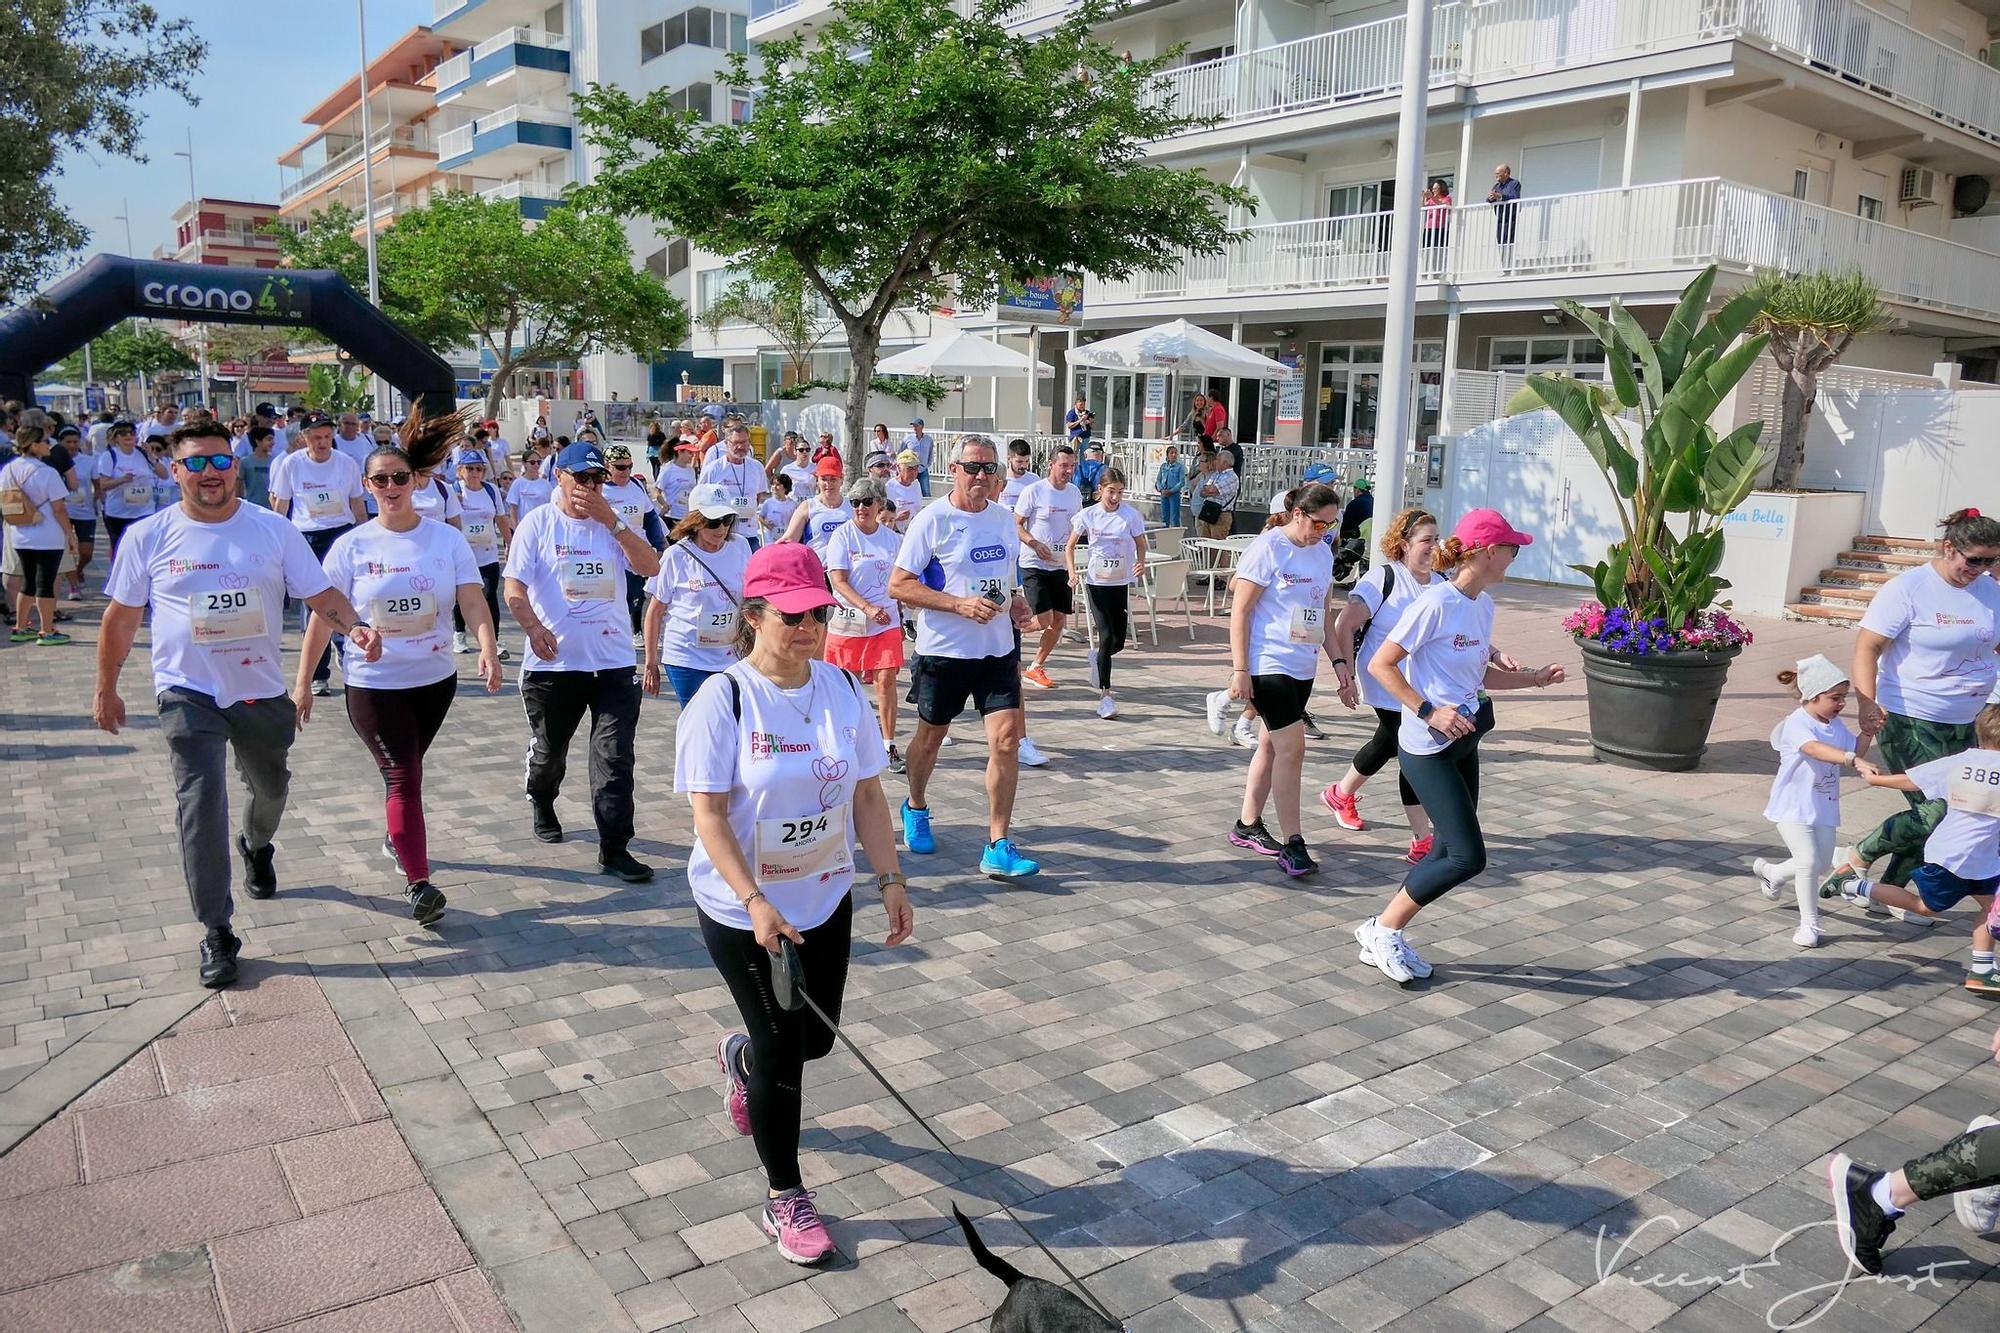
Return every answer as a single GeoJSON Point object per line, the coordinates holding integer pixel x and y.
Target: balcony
{"type": "Point", "coordinates": [462, 20]}
{"type": "Point", "coordinates": [414, 137]}
{"type": "Point", "coordinates": [513, 138]}
{"type": "Point", "coordinates": [536, 197]}
{"type": "Point", "coordinates": [1668, 230]}
{"type": "Point", "coordinates": [245, 240]}
{"type": "Point", "coordinates": [518, 52]}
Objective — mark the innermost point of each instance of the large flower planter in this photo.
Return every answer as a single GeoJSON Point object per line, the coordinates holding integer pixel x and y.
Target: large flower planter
{"type": "Point", "coordinates": [1653, 711]}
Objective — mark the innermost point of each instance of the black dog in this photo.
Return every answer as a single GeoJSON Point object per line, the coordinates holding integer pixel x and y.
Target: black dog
{"type": "Point", "coordinates": [1032, 1305]}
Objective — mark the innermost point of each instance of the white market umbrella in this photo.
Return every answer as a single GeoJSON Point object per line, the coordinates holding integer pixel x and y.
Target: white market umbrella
{"type": "Point", "coordinates": [963, 354]}
{"type": "Point", "coordinates": [1178, 347]}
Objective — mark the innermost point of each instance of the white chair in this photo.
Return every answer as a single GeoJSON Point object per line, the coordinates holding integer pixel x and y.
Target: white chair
{"type": "Point", "coordinates": [1165, 579]}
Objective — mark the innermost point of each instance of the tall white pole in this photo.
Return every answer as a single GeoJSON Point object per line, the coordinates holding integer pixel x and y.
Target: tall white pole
{"type": "Point", "coordinates": [194, 234]}
{"type": "Point", "coordinates": [1393, 426]}
{"type": "Point", "coordinates": [368, 188]}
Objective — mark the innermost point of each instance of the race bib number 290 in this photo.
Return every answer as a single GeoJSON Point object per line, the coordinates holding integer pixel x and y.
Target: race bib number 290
{"type": "Point", "coordinates": [226, 615]}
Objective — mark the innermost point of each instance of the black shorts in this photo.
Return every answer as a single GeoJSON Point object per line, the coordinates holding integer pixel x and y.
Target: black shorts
{"type": "Point", "coordinates": [1048, 590]}
{"type": "Point", "coordinates": [1280, 700]}
{"type": "Point", "coordinates": [86, 530]}
{"type": "Point", "coordinates": [940, 686]}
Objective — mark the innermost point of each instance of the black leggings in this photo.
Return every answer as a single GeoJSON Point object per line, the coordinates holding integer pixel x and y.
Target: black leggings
{"type": "Point", "coordinates": [114, 530]}
{"type": "Point", "coordinates": [1108, 612]}
{"type": "Point", "coordinates": [1380, 748]}
{"type": "Point", "coordinates": [782, 1042]}
{"type": "Point", "coordinates": [1969, 1162]}
{"type": "Point", "coordinates": [635, 600]}
{"type": "Point", "coordinates": [398, 726]}
{"type": "Point", "coordinates": [489, 583]}
{"type": "Point", "coordinates": [38, 573]}
{"type": "Point", "coordinates": [1447, 786]}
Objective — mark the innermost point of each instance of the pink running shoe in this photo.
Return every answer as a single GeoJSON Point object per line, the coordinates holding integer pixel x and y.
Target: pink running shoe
{"type": "Point", "coordinates": [1346, 809]}
{"type": "Point", "coordinates": [1419, 849]}
{"type": "Point", "coordinates": [736, 1094]}
{"type": "Point", "coordinates": [792, 1221]}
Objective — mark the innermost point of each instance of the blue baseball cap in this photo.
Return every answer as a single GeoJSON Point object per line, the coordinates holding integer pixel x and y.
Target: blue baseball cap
{"type": "Point", "coordinates": [583, 456]}
{"type": "Point", "coordinates": [471, 458]}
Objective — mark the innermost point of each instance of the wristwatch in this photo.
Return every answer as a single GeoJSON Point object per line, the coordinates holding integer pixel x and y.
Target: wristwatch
{"type": "Point", "coordinates": [1425, 710]}
{"type": "Point", "coordinates": [621, 526]}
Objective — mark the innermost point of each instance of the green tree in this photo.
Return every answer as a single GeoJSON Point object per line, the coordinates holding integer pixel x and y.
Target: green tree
{"type": "Point", "coordinates": [127, 350]}
{"type": "Point", "coordinates": [72, 72]}
{"type": "Point", "coordinates": [914, 154]}
{"type": "Point", "coordinates": [331, 389]}
{"type": "Point", "coordinates": [557, 291]}
{"type": "Point", "coordinates": [327, 241]}
{"type": "Point", "coordinates": [1812, 319]}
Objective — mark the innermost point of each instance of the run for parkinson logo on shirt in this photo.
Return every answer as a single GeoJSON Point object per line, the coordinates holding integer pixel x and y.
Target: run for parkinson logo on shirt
{"type": "Point", "coordinates": [764, 745]}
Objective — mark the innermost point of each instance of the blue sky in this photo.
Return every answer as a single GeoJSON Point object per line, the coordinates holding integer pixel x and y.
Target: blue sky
{"type": "Point", "coordinates": [269, 62]}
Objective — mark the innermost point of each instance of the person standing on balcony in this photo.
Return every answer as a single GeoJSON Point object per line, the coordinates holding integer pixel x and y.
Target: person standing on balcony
{"type": "Point", "coordinates": [1506, 198]}
{"type": "Point", "coordinates": [1437, 225]}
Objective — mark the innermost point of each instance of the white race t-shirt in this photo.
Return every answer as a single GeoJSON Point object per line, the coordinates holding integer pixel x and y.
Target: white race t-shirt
{"type": "Point", "coordinates": [743, 482]}
{"type": "Point", "coordinates": [405, 585]}
{"type": "Point", "coordinates": [675, 482]}
{"type": "Point", "coordinates": [1967, 840]}
{"type": "Point", "coordinates": [801, 475]}
{"type": "Point", "coordinates": [218, 596]}
{"type": "Point", "coordinates": [1113, 537]}
{"type": "Point", "coordinates": [1382, 617]}
{"type": "Point", "coordinates": [631, 503]}
{"type": "Point", "coordinates": [320, 493]}
{"type": "Point", "coordinates": [790, 783]}
{"type": "Point", "coordinates": [1010, 494]}
{"type": "Point", "coordinates": [701, 591]}
{"type": "Point", "coordinates": [1289, 623]}
{"type": "Point", "coordinates": [43, 487]}
{"type": "Point", "coordinates": [1806, 791]}
{"type": "Point", "coordinates": [1048, 514]}
{"type": "Point", "coordinates": [357, 448]}
{"type": "Point", "coordinates": [904, 499]}
{"type": "Point", "coordinates": [975, 553]}
{"type": "Point", "coordinates": [479, 507]}
{"type": "Point", "coordinates": [1449, 637]}
{"type": "Point", "coordinates": [775, 516]}
{"type": "Point", "coordinates": [867, 559]}
{"type": "Point", "coordinates": [132, 497]}
{"type": "Point", "coordinates": [574, 573]}
{"type": "Point", "coordinates": [83, 496]}
{"type": "Point", "coordinates": [1940, 664]}
{"type": "Point", "coordinates": [436, 500]}
{"type": "Point", "coordinates": [822, 521]}
{"type": "Point", "coordinates": [528, 494]}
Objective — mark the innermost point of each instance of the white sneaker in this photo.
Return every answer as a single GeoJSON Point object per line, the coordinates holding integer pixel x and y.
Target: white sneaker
{"type": "Point", "coordinates": [1766, 874]}
{"type": "Point", "coordinates": [1107, 707]}
{"type": "Point", "coordinates": [459, 643]}
{"type": "Point", "coordinates": [1029, 755]}
{"type": "Point", "coordinates": [1216, 703]}
{"type": "Point", "coordinates": [1806, 937]}
{"type": "Point", "coordinates": [950, 739]}
{"type": "Point", "coordinates": [1979, 1209]}
{"type": "Point", "coordinates": [638, 640]}
{"type": "Point", "coordinates": [1073, 635]}
{"type": "Point", "coordinates": [1383, 949]}
{"type": "Point", "coordinates": [1245, 733]}
{"type": "Point", "coordinates": [1913, 918]}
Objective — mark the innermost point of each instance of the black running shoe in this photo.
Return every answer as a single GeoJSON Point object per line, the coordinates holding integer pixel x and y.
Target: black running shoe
{"type": "Point", "coordinates": [1857, 1219]}
{"type": "Point", "coordinates": [260, 875]}
{"type": "Point", "coordinates": [218, 959]}
{"type": "Point", "coordinates": [1256, 838]}
{"type": "Point", "coordinates": [426, 903]}
{"type": "Point", "coordinates": [1313, 733]}
{"type": "Point", "coordinates": [547, 827]}
{"type": "Point", "coordinates": [1295, 860]}
{"type": "Point", "coordinates": [621, 864]}
{"type": "Point", "coordinates": [896, 763]}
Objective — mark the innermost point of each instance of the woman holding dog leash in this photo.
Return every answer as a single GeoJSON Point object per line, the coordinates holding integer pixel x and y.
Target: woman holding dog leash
{"type": "Point", "coordinates": [780, 756]}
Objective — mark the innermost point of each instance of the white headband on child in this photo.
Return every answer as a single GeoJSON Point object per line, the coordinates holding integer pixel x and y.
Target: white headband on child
{"type": "Point", "coordinates": [1817, 675]}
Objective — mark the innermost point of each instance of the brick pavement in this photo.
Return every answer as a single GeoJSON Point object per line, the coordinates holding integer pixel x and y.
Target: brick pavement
{"type": "Point", "coordinates": [1195, 1091]}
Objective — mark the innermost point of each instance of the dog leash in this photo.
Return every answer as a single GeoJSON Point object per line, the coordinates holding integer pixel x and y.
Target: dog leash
{"type": "Point", "coordinates": [788, 988]}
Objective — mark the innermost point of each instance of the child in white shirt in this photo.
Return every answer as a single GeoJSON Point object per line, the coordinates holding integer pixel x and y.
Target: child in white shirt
{"type": "Point", "coordinates": [1962, 855]}
{"type": "Point", "coordinates": [775, 514]}
{"type": "Point", "coordinates": [1813, 745]}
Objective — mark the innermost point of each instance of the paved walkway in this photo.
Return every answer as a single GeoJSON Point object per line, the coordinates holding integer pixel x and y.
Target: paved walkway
{"type": "Point", "coordinates": [1166, 1057]}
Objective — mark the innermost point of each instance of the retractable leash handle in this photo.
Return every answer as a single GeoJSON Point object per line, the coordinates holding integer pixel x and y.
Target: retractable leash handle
{"type": "Point", "coordinates": [788, 987]}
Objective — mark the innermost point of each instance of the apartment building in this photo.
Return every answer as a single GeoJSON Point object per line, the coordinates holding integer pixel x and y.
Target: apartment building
{"type": "Point", "coordinates": [1650, 137]}
{"type": "Point", "coordinates": [502, 105]}
{"type": "Point", "coordinates": [222, 231]}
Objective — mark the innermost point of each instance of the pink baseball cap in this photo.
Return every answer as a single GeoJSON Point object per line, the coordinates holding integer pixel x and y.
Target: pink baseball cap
{"type": "Point", "coordinates": [1486, 527]}
{"type": "Point", "coordinates": [789, 576]}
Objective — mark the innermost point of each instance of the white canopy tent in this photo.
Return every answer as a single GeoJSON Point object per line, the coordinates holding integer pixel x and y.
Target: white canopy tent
{"type": "Point", "coordinates": [1175, 348]}
{"type": "Point", "coordinates": [964, 354]}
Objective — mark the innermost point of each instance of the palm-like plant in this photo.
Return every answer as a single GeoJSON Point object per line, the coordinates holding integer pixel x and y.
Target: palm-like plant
{"type": "Point", "coordinates": [1681, 467]}
{"type": "Point", "coordinates": [1811, 319]}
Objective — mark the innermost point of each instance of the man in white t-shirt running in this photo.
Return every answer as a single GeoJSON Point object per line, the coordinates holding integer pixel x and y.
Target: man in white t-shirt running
{"type": "Point", "coordinates": [741, 476]}
{"type": "Point", "coordinates": [956, 567]}
{"type": "Point", "coordinates": [216, 571]}
{"type": "Point", "coordinates": [565, 585]}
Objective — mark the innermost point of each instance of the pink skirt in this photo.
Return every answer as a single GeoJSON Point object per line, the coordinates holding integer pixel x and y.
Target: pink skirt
{"type": "Point", "coordinates": [874, 653]}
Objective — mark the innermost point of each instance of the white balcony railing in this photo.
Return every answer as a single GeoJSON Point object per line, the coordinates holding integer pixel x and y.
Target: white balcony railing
{"type": "Point", "coordinates": [760, 8]}
{"type": "Point", "coordinates": [1647, 228]}
{"type": "Point", "coordinates": [455, 142]}
{"type": "Point", "coordinates": [525, 190]}
{"type": "Point", "coordinates": [452, 72]}
{"type": "Point", "coordinates": [252, 240]}
{"type": "Point", "coordinates": [403, 136]}
{"type": "Point", "coordinates": [550, 41]}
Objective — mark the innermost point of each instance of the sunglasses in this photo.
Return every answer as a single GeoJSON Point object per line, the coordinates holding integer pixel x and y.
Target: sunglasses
{"type": "Point", "coordinates": [793, 619]}
{"type": "Point", "coordinates": [1322, 524]}
{"type": "Point", "coordinates": [975, 469]}
{"type": "Point", "coordinates": [203, 462]}
{"type": "Point", "coordinates": [1981, 561]}
{"type": "Point", "coordinates": [866, 504]}
{"type": "Point", "coordinates": [588, 478]}
{"type": "Point", "coordinates": [621, 467]}
{"type": "Point", "coordinates": [382, 481]}
{"type": "Point", "coordinates": [713, 523]}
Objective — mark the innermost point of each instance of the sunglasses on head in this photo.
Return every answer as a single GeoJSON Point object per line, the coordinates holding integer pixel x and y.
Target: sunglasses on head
{"type": "Point", "coordinates": [203, 462]}
{"type": "Point", "coordinates": [975, 469]}
{"type": "Point", "coordinates": [793, 619]}
{"type": "Point", "coordinates": [727, 521]}
{"type": "Point", "coordinates": [383, 480]}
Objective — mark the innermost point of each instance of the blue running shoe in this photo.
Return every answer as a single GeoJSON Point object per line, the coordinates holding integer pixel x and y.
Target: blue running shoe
{"type": "Point", "coordinates": [1003, 862]}
{"type": "Point", "coordinates": [917, 831]}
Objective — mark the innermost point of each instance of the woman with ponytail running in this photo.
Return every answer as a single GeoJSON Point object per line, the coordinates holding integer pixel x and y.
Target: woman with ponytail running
{"type": "Point", "coordinates": [400, 569]}
{"type": "Point", "coordinates": [1436, 663]}
{"type": "Point", "coordinates": [1374, 608]}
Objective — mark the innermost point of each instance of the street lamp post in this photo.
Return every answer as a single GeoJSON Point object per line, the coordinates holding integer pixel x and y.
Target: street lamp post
{"type": "Point", "coordinates": [1392, 440]}
{"type": "Point", "coordinates": [194, 234]}
{"type": "Point", "coordinates": [145, 393]}
{"type": "Point", "coordinates": [368, 187]}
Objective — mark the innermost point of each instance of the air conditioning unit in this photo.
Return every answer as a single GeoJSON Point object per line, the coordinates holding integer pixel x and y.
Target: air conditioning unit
{"type": "Point", "coordinates": [1922, 187]}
